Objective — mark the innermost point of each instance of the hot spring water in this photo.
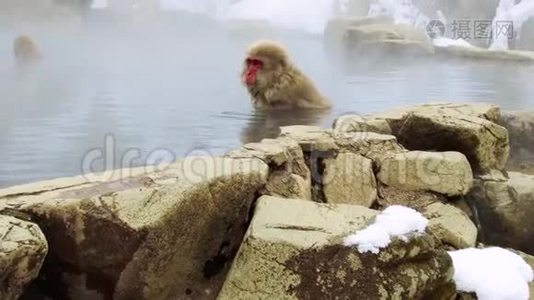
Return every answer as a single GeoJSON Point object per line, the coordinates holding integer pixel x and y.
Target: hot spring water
{"type": "Point", "coordinates": [171, 87]}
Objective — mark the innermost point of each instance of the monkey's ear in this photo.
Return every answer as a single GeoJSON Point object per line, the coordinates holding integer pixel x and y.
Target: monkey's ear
{"type": "Point", "coordinates": [284, 63]}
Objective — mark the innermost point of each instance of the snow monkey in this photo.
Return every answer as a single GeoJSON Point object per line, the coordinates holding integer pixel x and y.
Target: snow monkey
{"type": "Point", "coordinates": [273, 81]}
{"type": "Point", "coordinates": [25, 49]}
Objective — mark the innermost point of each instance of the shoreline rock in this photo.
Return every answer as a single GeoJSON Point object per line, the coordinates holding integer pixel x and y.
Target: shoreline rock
{"type": "Point", "coordinates": [23, 248]}
{"type": "Point", "coordinates": [123, 234]}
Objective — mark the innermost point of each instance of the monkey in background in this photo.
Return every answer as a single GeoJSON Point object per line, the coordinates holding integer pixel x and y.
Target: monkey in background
{"type": "Point", "coordinates": [25, 49]}
{"type": "Point", "coordinates": [273, 81]}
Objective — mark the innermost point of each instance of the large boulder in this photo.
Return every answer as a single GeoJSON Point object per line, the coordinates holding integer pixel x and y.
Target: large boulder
{"type": "Point", "coordinates": [471, 129]}
{"type": "Point", "coordinates": [483, 142]}
{"type": "Point", "coordinates": [479, 53]}
{"type": "Point", "coordinates": [336, 29]}
{"type": "Point", "coordinates": [149, 235]}
{"type": "Point", "coordinates": [23, 248]}
{"type": "Point", "coordinates": [376, 36]}
{"type": "Point", "coordinates": [447, 173]}
{"type": "Point", "coordinates": [293, 250]}
{"type": "Point", "coordinates": [451, 225]}
{"type": "Point", "coordinates": [380, 122]}
{"type": "Point", "coordinates": [505, 208]}
{"type": "Point", "coordinates": [388, 36]}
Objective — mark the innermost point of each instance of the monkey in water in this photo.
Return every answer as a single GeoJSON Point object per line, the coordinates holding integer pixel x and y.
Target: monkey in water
{"type": "Point", "coordinates": [25, 49]}
{"type": "Point", "coordinates": [273, 81]}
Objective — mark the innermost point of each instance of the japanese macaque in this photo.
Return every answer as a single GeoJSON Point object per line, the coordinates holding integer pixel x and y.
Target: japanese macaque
{"type": "Point", "coordinates": [25, 49]}
{"type": "Point", "coordinates": [274, 82]}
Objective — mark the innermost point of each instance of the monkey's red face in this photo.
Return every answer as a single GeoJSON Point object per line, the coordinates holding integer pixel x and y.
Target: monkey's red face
{"type": "Point", "coordinates": [253, 67]}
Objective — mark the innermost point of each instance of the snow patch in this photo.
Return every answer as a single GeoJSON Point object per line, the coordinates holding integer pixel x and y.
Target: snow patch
{"type": "Point", "coordinates": [492, 273]}
{"type": "Point", "coordinates": [395, 221]}
{"type": "Point", "coordinates": [446, 42]}
{"type": "Point", "coordinates": [402, 12]}
{"type": "Point", "coordinates": [99, 4]}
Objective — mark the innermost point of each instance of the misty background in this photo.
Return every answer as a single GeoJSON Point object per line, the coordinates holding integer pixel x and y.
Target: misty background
{"type": "Point", "coordinates": [165, 75]}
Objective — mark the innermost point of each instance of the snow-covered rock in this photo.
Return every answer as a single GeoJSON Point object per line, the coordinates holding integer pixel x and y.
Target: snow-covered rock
{"type": "Point", "coordinates": [492, 273]}
{"type": "Point", "coordinates": [294, 250]}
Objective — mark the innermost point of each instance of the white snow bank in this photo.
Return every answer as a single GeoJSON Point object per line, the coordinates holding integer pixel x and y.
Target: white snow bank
{"type": "Point", "coordinates": [402, 12]}
{"type": "Point", "coordinates": [446, 42]}
{"type": "Point", "coordinates": [394, 221]}
{"type": "Point", "coordinates": [311, 16]}
{"type": "Point", "coordinates": [99, 4]}
{"type": "Point", "coordinates": [492, 273]}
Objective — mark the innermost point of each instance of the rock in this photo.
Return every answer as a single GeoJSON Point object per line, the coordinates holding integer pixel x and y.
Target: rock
{"type": "Point", "coordinates": [417, 200]}
{"type": "Point", "coordinates": [396, 47]}
{"type": "Point", "coordinates": [148, 235]}
{"type": "Point", "coordinates": [387, 38]}
{"type": "Point", "coordinates": [286, 185]}
{"type": "Point", "coordinates": [357, 123]}
{"type": "Point", "coordinates": [23, 248]}
{"type": "Point", "coordinates": [371, 145]}
{"type": "Point", "coordinates": [482, 110]}
{"type": "Point", "coordinates": [483, 142]}
{"type": "Point", "coordinates": [505, 211]}
{"type": "Point", "coordinates": [310, 138]}
{"type": "Point", "coordinates": [380, 122]}
{"type": "Point", "coordinates": [290, 177]}
{"type": "Point", "coordinates": [292, 250]}
{"type": "Point", "coordinates": [336, 30]}
{"type": "Point", "coordinates": [386, 31]}
{"type": "Point", "coordinates": [447, 173]}
{"type": "Point", "coordinates": [520, 126]}
{"type": "Point", "coordinates": [277, 153]}
{"type": "Point", "coordinates": [296, 162]}
{"type": "Point", "coordinates": [349, 179]}
{"type": "Point", "coordinates": [451, 225]}
{"type": "Point", "coordinates": [479, 53]}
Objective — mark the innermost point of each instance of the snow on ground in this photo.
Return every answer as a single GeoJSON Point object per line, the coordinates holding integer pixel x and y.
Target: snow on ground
{"type": "Point", "coordinates": [394, 221]}
{"type": "Point", "coordinates": [492, 273]}
{"type": "Point", "coordinates": [446, 42]}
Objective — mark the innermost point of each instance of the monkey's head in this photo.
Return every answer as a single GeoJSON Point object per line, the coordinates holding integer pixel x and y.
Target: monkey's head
{"type": "Point", "coordinates": [263, 60]}
{"type": "Point", "coordinates": [25, 49]}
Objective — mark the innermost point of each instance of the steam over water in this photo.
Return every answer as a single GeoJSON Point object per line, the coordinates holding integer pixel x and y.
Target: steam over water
{"type": "Point", "coordinates": [171, 83]}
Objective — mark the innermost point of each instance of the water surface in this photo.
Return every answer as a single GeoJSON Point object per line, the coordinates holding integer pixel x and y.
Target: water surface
{"type": "Point", "coordinates": [174, 86]}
